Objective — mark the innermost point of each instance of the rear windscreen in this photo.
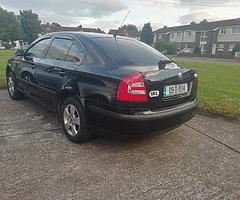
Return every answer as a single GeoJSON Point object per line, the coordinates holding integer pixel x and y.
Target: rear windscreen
{"type": "Point", "coordinates": [129, 52]}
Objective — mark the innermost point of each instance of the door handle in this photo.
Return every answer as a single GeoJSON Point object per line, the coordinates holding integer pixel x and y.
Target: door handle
{"type": "Point", "coordinates": [49, 69]}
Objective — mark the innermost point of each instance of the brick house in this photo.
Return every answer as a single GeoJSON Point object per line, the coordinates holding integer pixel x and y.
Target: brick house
{"type": "Point", "coordinates": [126, 33]}
{"type": "Point", "coordinates": [217, 37]}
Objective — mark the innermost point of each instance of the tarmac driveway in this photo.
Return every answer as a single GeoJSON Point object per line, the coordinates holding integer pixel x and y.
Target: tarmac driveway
{"type": "Point", "coordinates": [199, 160]}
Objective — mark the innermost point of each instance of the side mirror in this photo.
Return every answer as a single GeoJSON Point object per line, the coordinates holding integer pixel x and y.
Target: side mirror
{"type": "Point", "coordinates": [19, 52]}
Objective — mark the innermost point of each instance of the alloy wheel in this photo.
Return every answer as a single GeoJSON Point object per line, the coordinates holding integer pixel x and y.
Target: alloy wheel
{"type": "Point", "coordinates": [71, 120]}
{"type": "Point", "coordinates": [11, 85]}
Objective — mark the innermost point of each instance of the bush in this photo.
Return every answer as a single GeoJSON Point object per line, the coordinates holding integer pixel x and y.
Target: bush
{"type": "Point", "coordinates": [6, 45]}
{"type": "Point", "coordinates": [197, 50]}
{"type": "Point", "coordinates": [236, 48]}
{"type": "Point", "coordinates": [166, 47]}
{"type": "Point", "coordinates": [161, 45]}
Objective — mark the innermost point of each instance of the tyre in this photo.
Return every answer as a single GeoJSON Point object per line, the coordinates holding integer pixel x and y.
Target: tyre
{"type": "Point", "coordinates": [74, 121]}
{"type": "Point", "coordinates": [14, 93]}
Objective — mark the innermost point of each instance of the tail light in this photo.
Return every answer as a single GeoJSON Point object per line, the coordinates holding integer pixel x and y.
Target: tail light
{"type": "Point", "coordinates": [132, 89]}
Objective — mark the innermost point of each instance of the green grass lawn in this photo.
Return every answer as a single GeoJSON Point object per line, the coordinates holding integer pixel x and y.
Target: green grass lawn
{"type": "Point", "coordinates": [219, 85]}
{"type": "Point", "coordinates": [4, 56]}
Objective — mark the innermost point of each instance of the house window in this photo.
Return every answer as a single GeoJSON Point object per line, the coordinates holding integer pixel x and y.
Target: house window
{"type": "Point", "coordinates": [231, 46]}
{"type": "Point", "coordinates": [172, 34]}
{"type": "Point", "coordinates": [203, 34]}
{"type": "Point", "coordinates": [179, 34]}
{"type": "Point", "coordinates": [203, 37]}
{"type": "Point", "coordinates": [236, 30]}
{"type": "Point", "coordinates": [220, 47]}
{"type": "Point", "coordinates": [223, 31]}
{"type": "Point", "coordinates": [188, 33]}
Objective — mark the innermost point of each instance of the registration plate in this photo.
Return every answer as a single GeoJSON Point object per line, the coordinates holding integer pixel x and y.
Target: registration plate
{"type": "Point", "coordinates": [172, 90]}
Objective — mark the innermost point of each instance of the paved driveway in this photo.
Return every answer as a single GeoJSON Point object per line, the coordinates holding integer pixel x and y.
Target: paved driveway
{"type": "Point", "coordinates": [199, 160]}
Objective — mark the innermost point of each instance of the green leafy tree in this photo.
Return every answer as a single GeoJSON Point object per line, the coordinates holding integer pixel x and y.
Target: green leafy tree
{"type": "Point", "coordinates": [166, 47]}
{"type": "Point", "coordinates": [9, 26]}
{"type": "Point", "coordinates": [31, 25]}
{"type": "Point", "coordinates": [236, 48]}
{"type": "Point", "coordinates": [147, 34]}
{"type": "Point", "coordinates": [197, 50]}
{"type": "Point", "coordinates": [129, 27]}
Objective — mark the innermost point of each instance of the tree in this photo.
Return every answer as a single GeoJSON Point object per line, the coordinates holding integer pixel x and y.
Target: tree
{"type": "Point", "coordinates": [147, 34]}
{"type": "Point", "coordinates": [129, 27]}
{"type": "Point", "coordinates": [9, 26]}
{"type": "Point", "coordinates": [197, 50]}
{"type": "Point", "coordinates": [236, 48]}
{"type": "Point", "coordinates": [31, 25]}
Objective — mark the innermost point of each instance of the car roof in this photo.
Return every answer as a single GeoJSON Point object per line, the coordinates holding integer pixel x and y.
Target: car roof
{"type": "Point", "coordinates": [89, 35]}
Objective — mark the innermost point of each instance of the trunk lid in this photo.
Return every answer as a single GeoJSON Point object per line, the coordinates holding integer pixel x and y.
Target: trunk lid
{"type": "Point", "coordinates": [168, 85]}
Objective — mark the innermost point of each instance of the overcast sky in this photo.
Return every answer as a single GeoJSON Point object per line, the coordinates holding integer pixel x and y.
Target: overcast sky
{"type": "Point", "coordinates": [107, 14]}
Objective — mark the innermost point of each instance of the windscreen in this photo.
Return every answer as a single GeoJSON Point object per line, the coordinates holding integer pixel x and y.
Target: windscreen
{"type": "Point", "coordinates": [127, 52]}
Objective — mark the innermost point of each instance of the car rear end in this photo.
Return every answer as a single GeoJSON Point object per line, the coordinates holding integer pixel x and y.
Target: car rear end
{"type": "Point", "coordinates": [156, 95]}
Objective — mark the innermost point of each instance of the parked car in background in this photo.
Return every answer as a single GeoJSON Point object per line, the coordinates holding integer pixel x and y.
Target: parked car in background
{"type": "Point", "coordinates": [101, 84]}
{"type": "Point", "coordinates": [24, 47]}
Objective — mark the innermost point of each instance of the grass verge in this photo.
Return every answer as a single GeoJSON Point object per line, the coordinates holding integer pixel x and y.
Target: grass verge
{"type": "Point", "coordinates": [4, 56]}
{"type": "Point", "coordinates": [219, 85]}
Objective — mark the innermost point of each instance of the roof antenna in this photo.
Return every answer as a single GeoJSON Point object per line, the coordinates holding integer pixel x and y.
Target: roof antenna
{"type": "Point", "coordinates": [115, 34]}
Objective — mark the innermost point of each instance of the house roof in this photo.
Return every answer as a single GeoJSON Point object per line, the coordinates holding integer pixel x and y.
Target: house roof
{"type": "Point", "coordinates": [204, 25]}
{"type": "Point", "coordinates": [126, 33]}
{"type": "Point", "coordinates": [55, 28]}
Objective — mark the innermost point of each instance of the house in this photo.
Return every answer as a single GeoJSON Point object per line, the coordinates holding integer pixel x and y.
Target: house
{"type": "Point", "coordinates": [126, 33]}
{"type": "Point", "coordinates": [55, 27]}
{"type": "Point", "coordinates": [217, 37]}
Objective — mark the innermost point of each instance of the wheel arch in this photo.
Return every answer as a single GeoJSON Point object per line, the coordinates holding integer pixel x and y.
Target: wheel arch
{"type": "Point", "coordinates": [8, 70]}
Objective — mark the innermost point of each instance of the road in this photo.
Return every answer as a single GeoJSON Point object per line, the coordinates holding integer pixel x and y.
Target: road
{"type": "Point", "coordinates": [199, 160]}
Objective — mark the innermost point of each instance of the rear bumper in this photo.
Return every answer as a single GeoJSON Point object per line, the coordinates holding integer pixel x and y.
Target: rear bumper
{"type": "Point", "coordinates": [142, 123]}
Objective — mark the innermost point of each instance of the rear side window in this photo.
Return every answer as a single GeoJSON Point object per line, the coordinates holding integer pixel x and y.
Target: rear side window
{"type": "Point", "coordinates": [59, 48]}
{"type": "Point", "coordinates": [129, 52]}
{"type": "Point", "coordinates": [75, 54]}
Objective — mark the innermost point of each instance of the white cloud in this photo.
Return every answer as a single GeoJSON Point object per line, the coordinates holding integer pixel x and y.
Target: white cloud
{"type": "Point", "coordinates": [109, 14]}
{"type": "Point", "coordinates": [70, 8]}
{"type": "Point", "coordinates": [197, 17]}
{"type": "Point", "coordinates": [199, 4]}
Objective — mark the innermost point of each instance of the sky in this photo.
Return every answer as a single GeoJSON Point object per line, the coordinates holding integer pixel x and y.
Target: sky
{"type": "Point", "coordinates": [108, 14]}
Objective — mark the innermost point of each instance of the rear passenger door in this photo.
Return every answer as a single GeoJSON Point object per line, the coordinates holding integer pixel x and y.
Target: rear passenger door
{"type": "Point", "coordinates": [63, 56]}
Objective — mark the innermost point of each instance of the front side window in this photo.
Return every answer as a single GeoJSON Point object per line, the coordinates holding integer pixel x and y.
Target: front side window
{"type": "Point", "coordinates": [59, 49]}
{"type": "Point", "coordinates": [38, 49]}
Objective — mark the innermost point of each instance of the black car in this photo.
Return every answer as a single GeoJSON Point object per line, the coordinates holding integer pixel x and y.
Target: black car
{"type": "Point", "coordinates": [104, 84]}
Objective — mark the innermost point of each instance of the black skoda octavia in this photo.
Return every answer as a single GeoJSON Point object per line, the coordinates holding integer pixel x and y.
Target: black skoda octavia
{"type": "Point", "coordinates": [99, 83]}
